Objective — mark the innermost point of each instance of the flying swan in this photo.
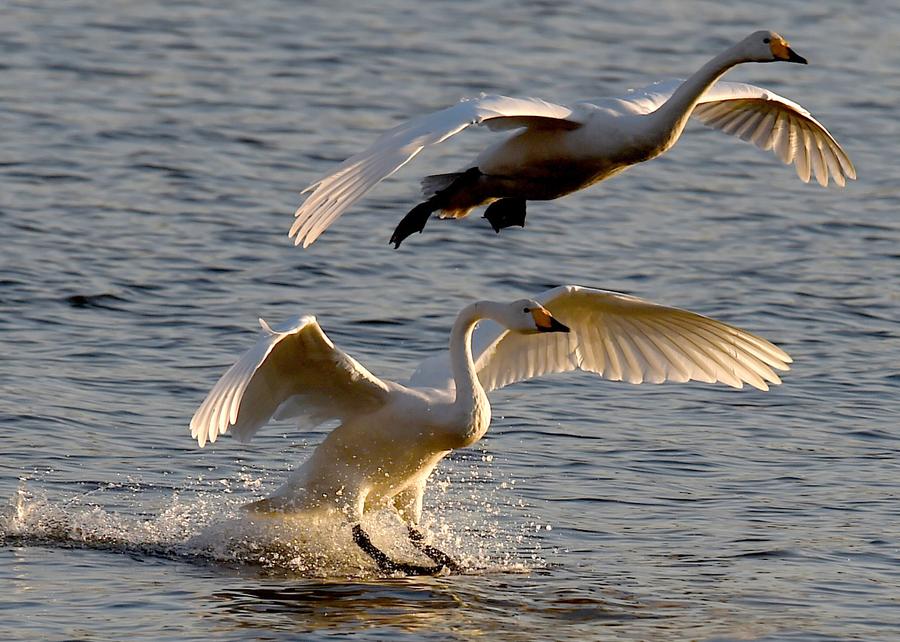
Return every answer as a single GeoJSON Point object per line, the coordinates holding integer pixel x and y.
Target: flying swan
{"type": "Point", "coordinates": [392, 435]}
{"type": "Point", "coordinates": [558, 150]}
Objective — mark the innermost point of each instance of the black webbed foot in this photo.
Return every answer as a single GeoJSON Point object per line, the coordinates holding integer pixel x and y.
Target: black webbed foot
{"type": "Point", "coordinates": [417, 537]}
{"type": "Point", "coordinates": [384, 562]}
{"type": "Point", "coordinates": [505, 213]}
{"type": "Point", "coordinates": [414, 221]}
{"type": "Point", "coordinates": [449, 184]}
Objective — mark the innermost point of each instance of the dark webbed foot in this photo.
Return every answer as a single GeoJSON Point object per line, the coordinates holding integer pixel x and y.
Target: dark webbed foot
{"type": "Point", "coordinates": [449, 185]}
{"type": "Point", "coordinates": [505, 213]}
{"type": "Point", "coordinates": [384, 562]}
{"type": "Point", "coordinates": [417, 537]}
{"type": "Point", "coordinates": [414, 221]}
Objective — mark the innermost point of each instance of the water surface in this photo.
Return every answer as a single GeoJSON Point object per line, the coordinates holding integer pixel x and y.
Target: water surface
{"type": "Point", "coordinates": [150, 163]}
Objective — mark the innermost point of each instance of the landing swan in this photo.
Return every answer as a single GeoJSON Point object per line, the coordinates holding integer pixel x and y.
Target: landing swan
{"type": "Point", "coordinates": [558, 150]}
{"type": "Point", "coordinates": [392, 436]}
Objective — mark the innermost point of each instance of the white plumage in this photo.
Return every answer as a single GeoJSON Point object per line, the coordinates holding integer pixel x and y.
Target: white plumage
{"type": "Point", "coordinates": [557, 150]}
{"type": "Point", "coordinates": [391, 435]}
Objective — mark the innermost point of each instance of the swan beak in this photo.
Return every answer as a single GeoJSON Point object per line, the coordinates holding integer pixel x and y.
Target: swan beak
{"type": "Point", "coordinates": [545, 322]}
{"type": "Point", "coordinates": [782, 51]}
{"type": "Point", "coordinates": [793, 56]}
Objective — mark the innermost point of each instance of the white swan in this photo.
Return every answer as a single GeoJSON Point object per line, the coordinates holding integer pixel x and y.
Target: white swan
{"type": "Point", "coordinates": [391, 435]}
{"type": "Point", "coordinates": [560, 150]}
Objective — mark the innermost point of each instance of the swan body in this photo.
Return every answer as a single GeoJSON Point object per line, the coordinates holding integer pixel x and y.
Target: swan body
{"type": "Point", "coordinates": [391, 435]}
{"type": "Point", "coordinates": [555, 150]}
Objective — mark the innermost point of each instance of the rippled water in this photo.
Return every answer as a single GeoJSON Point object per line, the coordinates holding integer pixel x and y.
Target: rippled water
{"type": "Point", "coordinates": [150, 162]}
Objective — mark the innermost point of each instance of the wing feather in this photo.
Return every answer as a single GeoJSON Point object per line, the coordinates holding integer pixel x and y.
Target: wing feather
{"type": "Point", "coordinates": [770, 121]}
{"type": "Point", "coordinates": [762, 135]}
{"type": "Point", "coordinates": [737, 120]}
{"type": "Point", "coordinates": [715, 111]}
{"type": "Point", "coordinates": [783, 135]}
{"type": "Point", "coordinates": [706, 354]}
{"type": "Point", "coordinates": [329, 197]}
{"type": "Point", "coordinates": [635, 368]}
{"type": "Point", "coordinates": [801, 156]}
{"type": "Point", "coordinates": [296, 361]}
{"type": "Point", "coordinates": [834, 164]}
{"type": "Point", "coordinates": [742, 352]}
{"type": "Point", "coordinates": [671, 365]}
{"type": "Point", "coordinates": [729, 368]}
{"type": "Point", "coordinates": [699, 367]}
{"type": "Point", "coordinates": [820, 164]}
{"type": "Point", "coordinates": [624, 338]}
{"type": "Point", "coordinates": [812, 154]}
{"type": "Point", "coordinates": [745, 131]}
{"type": "Point", "coordinates": [702, 352]}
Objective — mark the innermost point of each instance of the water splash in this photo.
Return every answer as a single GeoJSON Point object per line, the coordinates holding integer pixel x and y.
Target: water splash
{"type": "Point", "coordinates": [208, 525]}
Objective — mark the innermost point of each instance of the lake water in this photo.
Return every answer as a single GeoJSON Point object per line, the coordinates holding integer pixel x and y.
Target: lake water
{"type": "Point", "coordinates": [151, 158]}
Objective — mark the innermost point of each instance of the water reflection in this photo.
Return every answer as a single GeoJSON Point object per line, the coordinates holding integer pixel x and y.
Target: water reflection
{"type": "Point", "coordinates": [404, 603]}
{"type": "Point", "coordinates": [453, 606]}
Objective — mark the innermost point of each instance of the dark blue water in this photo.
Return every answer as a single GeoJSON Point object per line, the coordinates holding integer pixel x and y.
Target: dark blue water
{"type": "Point", "coordinates": [150, 161]}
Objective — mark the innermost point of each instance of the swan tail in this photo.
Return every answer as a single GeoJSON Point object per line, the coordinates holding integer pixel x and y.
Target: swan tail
{"type": "Point", "coordinates": [436, 183]}
{"type": "Point", "coordinates": [455, 194]}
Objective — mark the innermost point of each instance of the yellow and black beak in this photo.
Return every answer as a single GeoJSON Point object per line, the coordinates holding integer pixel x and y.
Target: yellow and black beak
{"type": "Point", "coordinates": [782, 51]}
{"type": "Point", "coordinates": [544, 321]}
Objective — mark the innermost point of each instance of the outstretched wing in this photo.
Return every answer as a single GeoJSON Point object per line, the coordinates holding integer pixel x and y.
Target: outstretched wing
{"type": "Point", "coordinates": [769, 121]}
{"type": "Point", "coordinates": [624, 338]}
{"type": "Point", "coordinates": [434, 371]}
{"type": "Point", "coordinates": [296, 361]}
{"type": "Point", "coordinates": [331, 196]}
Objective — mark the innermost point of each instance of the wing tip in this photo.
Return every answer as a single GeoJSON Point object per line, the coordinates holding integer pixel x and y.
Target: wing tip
{"type": "Point", "coordinates": [197, 432]}
{"type": "Point", "coordinates": [290, 326]}
{"type": "Point", "coordinates": [294, 232]}
{"type": "Point", "coordinates": [208, 430]}
{"type": "Point", "coordinates": [778, 354]}
{"type": "Point", "coordinates": [298, 234]}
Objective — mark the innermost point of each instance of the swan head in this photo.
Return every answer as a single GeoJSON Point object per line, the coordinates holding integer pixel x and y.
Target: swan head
{"type": "Point", "coordinates": [527, 316]}
{"type": "Point", "coordinates": [768, 46]}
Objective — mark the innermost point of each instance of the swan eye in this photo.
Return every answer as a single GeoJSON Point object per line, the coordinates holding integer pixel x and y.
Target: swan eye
{"type": "Point", "coordinates": [767, 40]}
{"type": "Point", "coordinates": [526, 310]}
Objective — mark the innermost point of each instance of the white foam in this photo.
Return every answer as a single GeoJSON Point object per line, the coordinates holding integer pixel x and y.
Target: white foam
{"type": "Point", "coordinates": [210, 526]}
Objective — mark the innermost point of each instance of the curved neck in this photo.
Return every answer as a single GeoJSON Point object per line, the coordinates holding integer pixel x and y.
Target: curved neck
{"type": "Point", "coordinates": [469, 392]}
{"type": "Point", "coordinates": [673, 115]}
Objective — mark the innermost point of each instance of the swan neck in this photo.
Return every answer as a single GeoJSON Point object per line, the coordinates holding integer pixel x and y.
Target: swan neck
{"type": "Point", "coordinates": [673, 115]}
{"type": "Point", "coordinates": [469, 391]}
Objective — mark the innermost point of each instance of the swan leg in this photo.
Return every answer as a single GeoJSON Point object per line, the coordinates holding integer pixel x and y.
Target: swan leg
{"type": "Point", "coordinates": [384, 562]}
{"type": "Point", "coordinates": [408, 503]}
{"type": "Point", "coordinates": [461, 185]}
{"type": "Point", "coordinates": [417, 537]}
{"type": "Point", "coordinates": [505, 213]}
{"type": "Point", "coordinates": [414, 221]}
